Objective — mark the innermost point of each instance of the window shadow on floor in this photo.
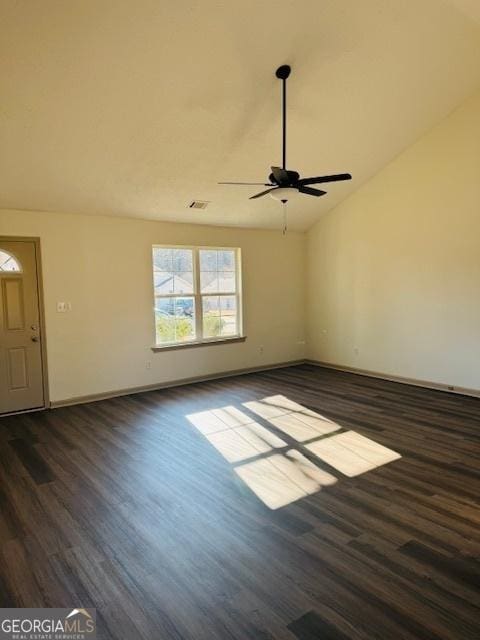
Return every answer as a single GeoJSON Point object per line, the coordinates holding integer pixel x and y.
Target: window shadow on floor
{"type": "Point", "coordinates": [284, 451]}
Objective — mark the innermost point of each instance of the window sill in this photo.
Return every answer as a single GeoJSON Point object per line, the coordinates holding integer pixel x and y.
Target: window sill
{"type": "Point", "coordinates": [197, 343]}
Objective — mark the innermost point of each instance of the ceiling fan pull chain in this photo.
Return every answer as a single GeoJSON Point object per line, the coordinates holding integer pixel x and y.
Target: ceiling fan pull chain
{"type": "Point", "coordinates": [284, 207]}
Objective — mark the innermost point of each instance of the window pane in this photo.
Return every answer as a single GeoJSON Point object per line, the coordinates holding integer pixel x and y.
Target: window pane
{"type": "Point", "coordinates": [174, 319]}
{"type": "Point", "coordinates": [184, 307]}
{"type": "Point", "coordinates": [165, 319]}
{"type": "Point", "coordinates": [217, 271]}
{"type": "Point", "coordinates": [182, 260]}
{"type": "Point", "coordinates": [8, 262]}
{"type": "Point", "coordinates": [162, 259]}
{"type": "Point", "coordinates": [209, 281]}
{"type": "Point", "coordinates": [219, 316]}
{"type": "Point", "coordinates": [173, 271]}
{"type": "Point", "coordinates": [184, 319]}
{"type": "Point", "coordinates": [208, 260]}
{"type": "Point", "coordinates": [163, 282]}
{"type": "Point", "coordinates": [226, 281]}
{"type": "Point", "coordinates": [183, 282]}
{"type": "Point", "coordinates": [226, 260]}
{"type": "Point", "coordinates": [228, 314]}
{"type": "Point", "coordinates": [165, 306]}
{"type": "Point", "coordinates": [212, 322]}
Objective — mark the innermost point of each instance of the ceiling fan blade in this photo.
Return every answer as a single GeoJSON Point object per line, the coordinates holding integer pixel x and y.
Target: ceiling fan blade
{"type": "Point", "coordinates": [262, 184]}
{"type": "Point", "coordinates": [335, 178]}
{"type": "Point", "coordinates": [262, 193]}
{"type": "Point", "coordinates": [280, 175]}
{"type": "Point", "coordinates": [311, 192]}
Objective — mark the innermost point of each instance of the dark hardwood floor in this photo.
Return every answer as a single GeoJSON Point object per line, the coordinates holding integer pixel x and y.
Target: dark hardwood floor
{"type": "Point", "coordinates": [124, 506]}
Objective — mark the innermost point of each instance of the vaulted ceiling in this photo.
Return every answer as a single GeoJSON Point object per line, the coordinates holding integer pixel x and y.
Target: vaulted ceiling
{"type": "Point", "coordinates": [135, 108]}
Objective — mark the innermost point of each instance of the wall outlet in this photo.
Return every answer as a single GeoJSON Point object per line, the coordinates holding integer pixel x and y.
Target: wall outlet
{"type": "Point", "coordinates": [148, 365]}
{"type": "Point", "coordinates": [61, 307]}
{"type": "Point", "coordinates": [260, 348]}
{"type": "Point", "coordinates": [356, 350]}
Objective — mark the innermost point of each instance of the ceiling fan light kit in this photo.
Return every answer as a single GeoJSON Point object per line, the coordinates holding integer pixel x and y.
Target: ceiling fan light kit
{"type": "Point", "coordinates": [285, 185]}
{"type": "Point", "coordinates": [284, 193]}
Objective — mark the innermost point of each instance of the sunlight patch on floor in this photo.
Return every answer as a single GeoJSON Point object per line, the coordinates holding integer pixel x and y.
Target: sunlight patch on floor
{"type": "Point", "coordinates": [234, 434]}
{"type": "Point", "coordinates": [278, 477]}
{"type": "Point", "coordinates": [281, 479]}
{"type": "Point", "coordinates": [290, 417]}
{"type": "Point", "coordinates": [351, 453]}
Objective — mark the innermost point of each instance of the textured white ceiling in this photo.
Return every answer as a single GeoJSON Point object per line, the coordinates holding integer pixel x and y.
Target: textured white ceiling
{"type": "Point", "coordinates": [134, 108]}
{"type": "Point", "coordinates": [470, 7]}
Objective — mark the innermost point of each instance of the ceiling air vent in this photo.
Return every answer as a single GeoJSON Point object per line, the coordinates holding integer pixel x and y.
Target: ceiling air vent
{"type": "Point", "coordinates": [198, 204]}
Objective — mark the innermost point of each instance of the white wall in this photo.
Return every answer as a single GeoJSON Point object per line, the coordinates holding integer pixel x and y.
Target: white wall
{"type": "Point", "coordinates": [394, 271]}
{"type": "Point", "coordinates": [102, 265]}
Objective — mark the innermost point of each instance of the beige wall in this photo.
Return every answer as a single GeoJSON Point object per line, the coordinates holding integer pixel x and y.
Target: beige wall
{"type": "Point", "coordinates": [393, 281]}
{"type": "Point", "coordinates": [394, 271]}
{"type": "Point", "coordinates": [102, 265]}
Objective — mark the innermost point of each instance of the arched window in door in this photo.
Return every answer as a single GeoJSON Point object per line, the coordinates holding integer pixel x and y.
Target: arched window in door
{"type": "Point", "coordinates": [9, 262]}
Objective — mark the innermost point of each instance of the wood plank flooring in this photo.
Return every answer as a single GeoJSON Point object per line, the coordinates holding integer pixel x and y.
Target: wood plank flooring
{"type": "Point", "coordinates": [124, 506]}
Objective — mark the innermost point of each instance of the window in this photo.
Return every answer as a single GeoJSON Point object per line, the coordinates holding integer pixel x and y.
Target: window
{"type": "Point", "coordinates": [8, 262]}
{"type": "Point", "coordinates": [197, 294]}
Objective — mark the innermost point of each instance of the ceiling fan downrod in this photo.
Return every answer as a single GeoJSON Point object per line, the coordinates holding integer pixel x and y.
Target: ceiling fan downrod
{"type": "Point", "coordinates": [282, 73]}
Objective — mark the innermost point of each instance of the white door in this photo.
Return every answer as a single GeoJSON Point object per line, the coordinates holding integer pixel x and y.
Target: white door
{"type": "Point", "coordinates": [21, 373]}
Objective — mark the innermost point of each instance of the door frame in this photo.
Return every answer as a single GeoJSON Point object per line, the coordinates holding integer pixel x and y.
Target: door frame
{"type": "Point", "coordinates": [41, 315]}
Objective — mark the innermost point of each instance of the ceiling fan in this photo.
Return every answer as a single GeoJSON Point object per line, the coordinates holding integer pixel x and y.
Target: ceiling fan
{"type": "Point", "coordinates": [284, 184]}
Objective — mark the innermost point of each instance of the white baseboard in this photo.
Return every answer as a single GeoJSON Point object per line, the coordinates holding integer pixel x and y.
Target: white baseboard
{"type": "Point", "coordinates": [173, 383]}
{"type": "Point", "coordinates": [427, 384]}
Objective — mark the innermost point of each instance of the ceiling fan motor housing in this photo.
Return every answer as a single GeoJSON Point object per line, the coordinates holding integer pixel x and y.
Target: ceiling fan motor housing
{"type": "Point", "coordinates": [293, 177]}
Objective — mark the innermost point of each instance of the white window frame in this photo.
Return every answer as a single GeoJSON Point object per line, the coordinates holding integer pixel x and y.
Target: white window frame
{"type": "Point", "coordinates": [198, 296]}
